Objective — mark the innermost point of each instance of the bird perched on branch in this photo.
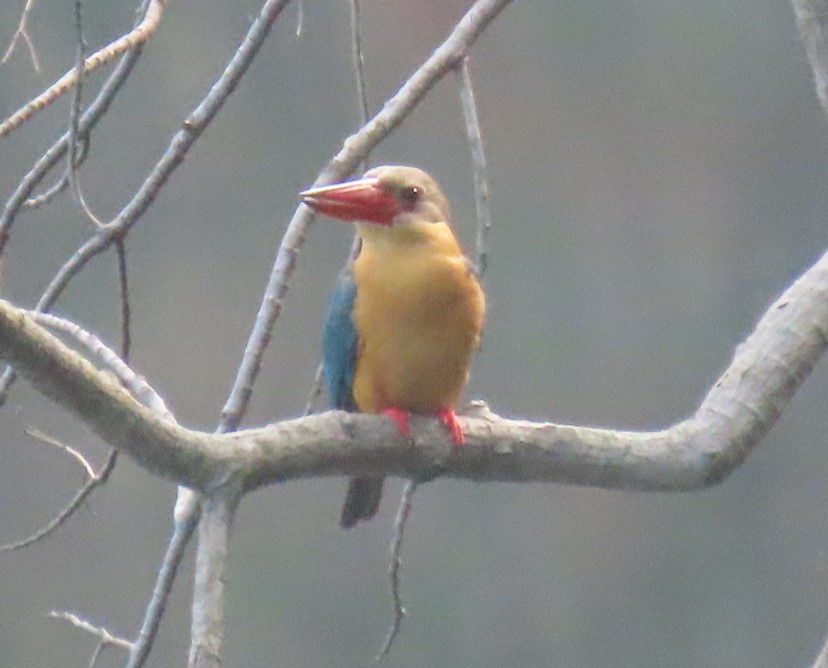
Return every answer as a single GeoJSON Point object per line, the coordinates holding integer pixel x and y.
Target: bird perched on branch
{"type": "Point", "coordinates": [404, 321]}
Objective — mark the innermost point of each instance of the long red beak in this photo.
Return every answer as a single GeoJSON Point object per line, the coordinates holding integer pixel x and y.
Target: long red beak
{"type": "Point", "coordinates": [363, 200]}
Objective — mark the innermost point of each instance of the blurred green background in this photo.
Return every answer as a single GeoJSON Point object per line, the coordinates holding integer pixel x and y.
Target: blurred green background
{"type": "Point", "coordinates": [657, 177]}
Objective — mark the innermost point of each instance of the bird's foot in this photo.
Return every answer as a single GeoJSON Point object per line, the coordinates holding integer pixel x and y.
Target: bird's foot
{"type": "Point", "coordinates": [400, 418]}
{"type": "Point", "coordinates": [448, 418]}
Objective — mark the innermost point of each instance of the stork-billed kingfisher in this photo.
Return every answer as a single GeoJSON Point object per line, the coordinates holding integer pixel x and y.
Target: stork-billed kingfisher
{"type": "Point", "coordinates": [403, 322]}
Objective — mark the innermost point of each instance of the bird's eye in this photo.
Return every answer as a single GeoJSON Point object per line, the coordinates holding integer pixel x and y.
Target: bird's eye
{"type": "Point", "coordinates": [409, 197]}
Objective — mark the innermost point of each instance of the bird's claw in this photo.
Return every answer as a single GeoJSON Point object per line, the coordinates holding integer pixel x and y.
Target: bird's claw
{"type": "Point", "coordinates": [448, 418]}
{"type": "Point", "coordinates": [400, 418]}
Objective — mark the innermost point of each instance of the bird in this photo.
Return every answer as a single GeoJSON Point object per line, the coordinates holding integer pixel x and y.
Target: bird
{"type": "Point", "coordinates": [406, 317]}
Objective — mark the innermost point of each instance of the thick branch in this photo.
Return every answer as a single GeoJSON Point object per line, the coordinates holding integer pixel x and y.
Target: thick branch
{"type": "Point", "coordinates": [207, 634]}
{"type": "Point", "coordinates": [740, 408]}
{"type": "Point", "coordinates": [100, 401]}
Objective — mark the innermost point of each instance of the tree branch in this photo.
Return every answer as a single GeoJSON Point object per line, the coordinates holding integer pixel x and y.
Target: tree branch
{"type": "Point", "coordinates": [207, 636]}
{"type": "Point", "coordinates": [21, 33]}
{"type": "Point", "coordinates": [737, 412]}
{"type": "Point", "coordinates": [478, 158]}
{"type": "Point", "coordinates": [98, 398]}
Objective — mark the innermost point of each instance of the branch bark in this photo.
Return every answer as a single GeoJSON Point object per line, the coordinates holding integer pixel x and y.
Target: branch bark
{"type": "Point", "coordinates": [207, 636]}
{"type": "Point", "coordinates": [698, 452]}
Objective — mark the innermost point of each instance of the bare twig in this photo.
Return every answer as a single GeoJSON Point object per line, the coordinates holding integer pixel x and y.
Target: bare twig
{"type": "Point", "coordinates": [74, 177]}
{"type": "Point", "coordinates": [183, 530]}
{"type": "Point", "coordinates": [132, 381]}
{"type": "Point", "coordinates": [403, 513]}
{"type": "Point", "coordinates": [75, 107]}
{"type": "Point", "coordinates": [358, 62]}
{"type": "Point", "coordinates": [123, 281]}
{"type": "Point", "coordinates": [74, 118]}
{"type": "Point", "coordinates": [300, 17]}
{"type": "Point", "coordinates": [478, 157]}
{"type": "Point", "coordinates": [137, 36]}
{"type": "Point", "coordinates": [22, 33]}
{"type": "Point", "coordinates": [316, 388]}
{"type": "Point", "coordinates": [62, 183]}
{"type": "Point", "coordinates": [94, 480]}
{"type": "Point", "coordinates": [75, 454]}
{"type": "Point", "coordinates": [100, 632]}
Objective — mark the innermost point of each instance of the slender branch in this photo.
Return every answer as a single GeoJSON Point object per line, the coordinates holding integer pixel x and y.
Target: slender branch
{"type": "Point", "coordinates": [74, 117]}
{"type": "Point", "coordinates": [358, 62]}
{"type": "Point", "coordinates": [126, 314]}
{"type": "Point", "coordinates": [22, 33]}
{"type": "Point", "coordinates": [93, 481]}
{"type": "Point", "coordinates": [316, 389]}
{"type": "Point", "coordinates": [67, 377]}
{"type": "Point", "coordinates": [74, 453]}
{"type": "Point", "coordinates": [186, 512]}
{"type": "Point", "coordinates": [403, 513]}
{"type": "Point", "coordinates": [135, 383]}
{"type": "Point", "coordinates": [478, 158]}
{"type": "Point", "coordinates": [300, 17]}
{"type": "Point", "coordinates": [55, 189]}
{"type": "Point", "coordinates": [48, 195]}
{"type": "Point", "coordinates": [105, 636]}
{"type": "Point", "coordinates": [183, 530]}
{"type": "Point", "coordinates": [138, 35]}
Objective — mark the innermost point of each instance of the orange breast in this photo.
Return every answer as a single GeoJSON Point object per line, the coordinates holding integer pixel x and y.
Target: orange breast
{"type": "Point", "coordinates": [419, 317]}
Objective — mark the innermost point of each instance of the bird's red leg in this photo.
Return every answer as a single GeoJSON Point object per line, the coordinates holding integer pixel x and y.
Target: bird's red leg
{"type": "Point", "coordinates": [448, 419]}
{"type": "Point", "coordinates": [400, 418]}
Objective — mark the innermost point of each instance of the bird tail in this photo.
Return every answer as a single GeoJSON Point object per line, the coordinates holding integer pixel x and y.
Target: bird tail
{"type": "Point", "coordinates": [362, 501]}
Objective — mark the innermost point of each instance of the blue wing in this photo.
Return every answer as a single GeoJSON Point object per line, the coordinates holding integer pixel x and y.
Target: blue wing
{"type": "Point", "coordinates": [339, 343]}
